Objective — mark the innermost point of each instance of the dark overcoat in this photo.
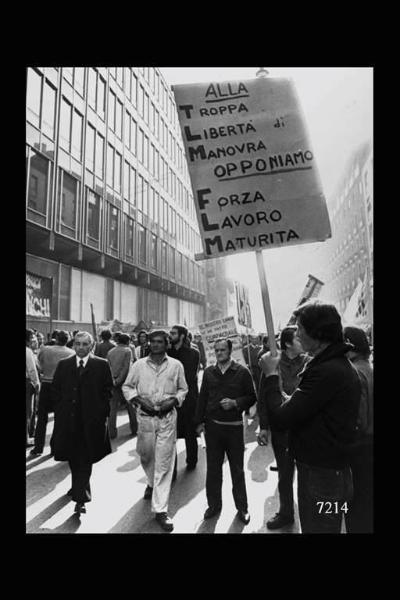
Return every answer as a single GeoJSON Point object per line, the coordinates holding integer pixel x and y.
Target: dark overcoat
{"type": "Point", "coordinates": [190, 359]}
{"type": "Point", "coordinates": [95, 392]}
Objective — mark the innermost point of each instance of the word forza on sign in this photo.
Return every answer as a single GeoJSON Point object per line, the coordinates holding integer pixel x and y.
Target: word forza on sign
{"type": "Point", "coordinates": [253, 173]}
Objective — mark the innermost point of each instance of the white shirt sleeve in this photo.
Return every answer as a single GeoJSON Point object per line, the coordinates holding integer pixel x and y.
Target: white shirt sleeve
{"type": "Point", "coordinates": [129, 388]}
{"type": "Point", "coordinates": [182, 385]}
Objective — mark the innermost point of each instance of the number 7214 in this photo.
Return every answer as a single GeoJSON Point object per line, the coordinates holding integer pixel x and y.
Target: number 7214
{"type": "Point", "coordinates": [331, 508]}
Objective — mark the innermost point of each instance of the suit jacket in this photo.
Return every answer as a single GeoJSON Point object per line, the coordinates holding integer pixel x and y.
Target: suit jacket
{"type": "Point", "coordinates": [95, 390]}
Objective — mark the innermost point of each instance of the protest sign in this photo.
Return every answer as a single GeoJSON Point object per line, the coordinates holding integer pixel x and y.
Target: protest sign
{"type": "Point", "coordinates": [243, 305]}
{"type": "Point", "coordinates": [221, 328]}
{"type": "Point", "coordinates": [253, 173]}
{"type": "Point", "coordinates": [311, 290]}
{"type": "Point", "coordinates": [38, 295]}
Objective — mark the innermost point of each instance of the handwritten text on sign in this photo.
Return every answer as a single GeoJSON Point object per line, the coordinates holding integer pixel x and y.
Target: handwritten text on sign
{"type": "Point", "coordinates": [253, 172]}
{"type": "Point", "coordinates": [221, 328]}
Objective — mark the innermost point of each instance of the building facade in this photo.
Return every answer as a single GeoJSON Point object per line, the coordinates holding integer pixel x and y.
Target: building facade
{"type": "Point", "coordinates": [347, 257]}
{"type": "Point", "coordinates": [110, 217]}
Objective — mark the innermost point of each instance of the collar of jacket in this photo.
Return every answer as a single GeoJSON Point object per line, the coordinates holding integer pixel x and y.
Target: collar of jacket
{"type": "Point", "coordinates": [332, 351]}
{"type": "Point", "coordinates": [234, 366]}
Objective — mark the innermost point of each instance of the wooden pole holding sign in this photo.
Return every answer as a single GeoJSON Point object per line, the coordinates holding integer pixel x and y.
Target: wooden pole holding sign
{"type": "Point", "coordinates": [262, 72]}
{"type": "Point", "coordinates": [266, 302]}
{"type": "Point", "coordinates": [93, 323]}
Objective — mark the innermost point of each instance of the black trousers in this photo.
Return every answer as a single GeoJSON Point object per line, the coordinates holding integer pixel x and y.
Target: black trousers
{"type": "Point", "coordinates": [44, 408]}
{"type": "Point", "coordinates": [81, 470]}
{"type": "Point", "coordinates": [359, 518]}
{"type": "Point", "coordinates": [285, 464]}
{"type": "Point", "coordinates": [221, 440]}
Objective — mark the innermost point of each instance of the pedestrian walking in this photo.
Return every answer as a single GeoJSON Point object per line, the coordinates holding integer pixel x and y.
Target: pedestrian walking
{"type": "Point", "coordinates": [48, 357]}
{"type": "Point", "coordinates": [227, 390]}
{"type": "Point", "coordinates": [120, 359]}
{"type": "Point", "coordinates": [102, 348]}
{"type": "Point", "coordinates": [143, 348]}
{"type": "Point", "coordinates": [32, 384]}
{"type": "Point", "coordinates": [190, 359]}
{"type": "Point", "coordinates": [82, 387]}
{"type": "Point", "coordinates": [293, 360]}
{"type": "Point", "coordinates": [359, 519]}
{"type": "Point", "coordinates": [157, 386]}
{"type": "Point", "coordinates": [199, 343]}
{"type": "Point", "coordinates": [321, 416]}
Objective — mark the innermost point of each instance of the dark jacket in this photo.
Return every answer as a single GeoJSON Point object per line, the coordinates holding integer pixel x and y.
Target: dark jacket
{"type": "Point", "coordinates": [102, 348]}
{"type": "Point", "coordinates": [289, 370]}
{"type": "Point", "coordinates": [203, 358]}
{"type": "Point", "coordinates": [142, 351]}
{"type": "Point", "coordinates": [95, 386]}
{"type": "Point", "coordinates": [321, 414]}
{"type": "Point", "coordinates": [235, 383]}
{"type": "Point", "coordinates": [190, 359]}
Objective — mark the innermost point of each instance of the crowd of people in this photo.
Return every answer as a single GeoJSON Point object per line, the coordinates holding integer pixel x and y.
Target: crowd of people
{"type": "Point", "coordinates": [314, 401]}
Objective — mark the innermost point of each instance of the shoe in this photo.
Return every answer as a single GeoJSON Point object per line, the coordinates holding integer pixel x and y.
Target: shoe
{"type": "Point", "coordinates": [279, 521]}
{"type": "Point", "coordinates": [165, 522]}
{"type": "Point", "coordinates": [35, 453]}
{"type": "Point", "coordinates": [212, 511]}
{"type": "Point", "coordinates": [191, 466]}
{"type": "Point", "coordinates": [148, 492]}
{"type": "Point", "coordinates": [243, 516]}
{"type": "Point", "coordinates": [69, 493]}
{"type": "Point", "coordinates": [273, 468]}
{"type": "Point", "coordinates": [80, 508]}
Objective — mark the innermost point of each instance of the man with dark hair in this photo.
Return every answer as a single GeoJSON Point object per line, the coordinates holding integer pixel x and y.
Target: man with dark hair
{"type": "Point", "coordinates": [226, 391]}
{"type": "Point", "coordinates": [360, 516]}
{"type": "Point", "coordinates": [102, 348]}
{"type": "Point", "coordinates": [70, 343]}
{"type": "Point", "coordinates": [49, 357]}
{"type": "Point", "coordinates": [53, 339]}
{"type": "Point", "coordinates": [82, 387]}
{"type": "Point", "coordinates": [143, 348]}
{"type": "Point", "coordinates": [190, 359]}
{"type": "Point", "coordinates": [293, 360]}
{"type": "Point", "coordinates": [120, 359]}
{"type": "Point", "coordinates": [157, 385]}
{"type": "Point", "coordinates": [321, 416]}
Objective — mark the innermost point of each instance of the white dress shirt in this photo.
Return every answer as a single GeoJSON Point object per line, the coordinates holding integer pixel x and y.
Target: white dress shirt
{"type": "Point", "coordinates": [78, 360]}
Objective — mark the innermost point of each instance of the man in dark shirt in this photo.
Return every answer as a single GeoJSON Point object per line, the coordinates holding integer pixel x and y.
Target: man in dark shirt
{"type": "Point", "coordinates": [103, 348]}
{"type": "Point", "coordinates": [227, 390]}
{"type": "Point", "coordinates": [190, 359]}
{"type": "Point", "coordinates": [321, 416]}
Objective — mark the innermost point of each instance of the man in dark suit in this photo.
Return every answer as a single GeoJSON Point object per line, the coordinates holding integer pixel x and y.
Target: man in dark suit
{"type": "Point", "coordinates": [190, 359]}
{"type": "Point", "coordinates": [82, 387]}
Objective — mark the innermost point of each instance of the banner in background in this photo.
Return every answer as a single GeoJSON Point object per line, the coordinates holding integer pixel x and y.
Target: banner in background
{"type": "Point", "coordinates": [311, 290]}
{"type": "Point", "coordinates": [252, 169]}
{"type": "Point", "coordinates": [243, 305]}
{"type": "Point", "coordinates": [39, 291]}
{"type": "Point", "coordinates": [221, 328]}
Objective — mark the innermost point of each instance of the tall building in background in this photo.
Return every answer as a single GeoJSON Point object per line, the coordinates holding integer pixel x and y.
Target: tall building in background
{"type": "Point", "coordinates": [110, 217]}
{"type": "Point", "coordinates": [220, 290]}
{"type": "Point", "coordinates": [347, 257]}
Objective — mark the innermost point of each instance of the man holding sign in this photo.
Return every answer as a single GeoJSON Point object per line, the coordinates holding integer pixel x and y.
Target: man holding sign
{"type": "Point", "coordinates": [227, 390]}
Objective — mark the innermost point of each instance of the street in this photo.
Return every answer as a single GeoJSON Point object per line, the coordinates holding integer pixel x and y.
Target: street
{"type": "Point", "coordinates": [118, 483]}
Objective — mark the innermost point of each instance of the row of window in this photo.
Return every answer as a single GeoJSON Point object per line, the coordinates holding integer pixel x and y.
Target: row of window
{"type": "Point", "coordinates": [41, 98]}
{"type": "Point", "coordinates": [40, 177]}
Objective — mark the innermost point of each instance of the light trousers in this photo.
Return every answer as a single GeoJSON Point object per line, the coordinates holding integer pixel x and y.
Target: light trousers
{"type": "Point", "coordinates": [156, 447]}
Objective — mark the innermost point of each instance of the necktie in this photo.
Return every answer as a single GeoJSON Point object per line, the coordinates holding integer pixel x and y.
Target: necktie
{"type": "Point", "coordinates": [81, 368]}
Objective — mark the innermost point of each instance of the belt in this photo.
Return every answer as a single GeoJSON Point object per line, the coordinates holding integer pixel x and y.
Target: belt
{"type": "Point", "coordinates": [156, 413]}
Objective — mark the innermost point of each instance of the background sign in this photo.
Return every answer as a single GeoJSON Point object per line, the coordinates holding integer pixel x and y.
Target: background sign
{"type": "Point", "coordinates": [252, 169]}
{"type": "Point", "coordinates": [38, 295]}
{"type": "Point", "coordinates": [312, 289]}
{"type": "Point", "coordinates": [219, 328]}
{"type": "Point", "coordinates": [243, 305]}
